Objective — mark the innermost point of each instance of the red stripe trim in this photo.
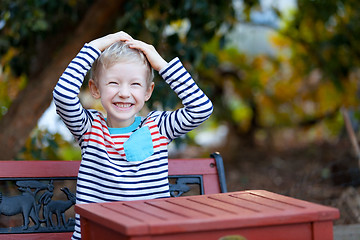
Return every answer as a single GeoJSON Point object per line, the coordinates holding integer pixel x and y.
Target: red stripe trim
{"type": "Point", "coordinates": [95, 141]}
{"type": "Point", "coordinates": [160, 145]}
{"type": "Point", "coordinates": [119, 136]}
{"type": "Point", "coordinates": [156, 132]}
{"type": "Point", "coordinates": [99, 128]}
{"type": "Point", "coordinates": [100, 122]}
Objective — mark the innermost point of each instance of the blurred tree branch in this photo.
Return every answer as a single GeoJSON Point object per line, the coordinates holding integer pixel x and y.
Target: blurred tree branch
{"type": "Point", "coordinates": [26, 109]}
{"type": "Point", "coordinates": [351, 133]}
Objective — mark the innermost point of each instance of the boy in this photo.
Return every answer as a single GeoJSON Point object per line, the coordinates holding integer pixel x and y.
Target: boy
{"type": "Point", "coordinates": [124, 156]}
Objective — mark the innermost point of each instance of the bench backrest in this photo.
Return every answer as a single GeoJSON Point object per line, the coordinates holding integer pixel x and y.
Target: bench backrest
{"type": "Point", "coordinates": [35, 179]}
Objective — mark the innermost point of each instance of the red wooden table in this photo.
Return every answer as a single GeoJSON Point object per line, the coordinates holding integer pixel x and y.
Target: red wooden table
{"type": "Point", "coordinates": [254, 215]}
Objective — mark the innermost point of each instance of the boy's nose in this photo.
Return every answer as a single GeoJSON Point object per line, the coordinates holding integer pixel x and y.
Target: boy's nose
{"type": "Point", "coordinates": [124, 92]}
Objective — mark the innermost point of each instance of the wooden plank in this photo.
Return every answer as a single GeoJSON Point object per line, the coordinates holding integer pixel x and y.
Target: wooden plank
{"type": "Point", "coordinates": [322, 230]}
{"type": "Point", "coordinates": [12, 169]}
{"type": "Point", "coordinates": [37, 236]}
{"type": "Point", "coordinates": [213, 217]}
{"type": "Point", "coordinates": [269, 201]}
{"type": "Point", "coordinates": [191, 203]}
{"type": "Point", "coordinates": [161, 214]}
{"type": "Point", "coordinates": [316, 211]}
{"type": "Point", "coordinates": [32, 169]}
{"type": "Point", "coordinates": [105, 216]}
{"type": "Point", "coordinates": [278, 197]}
{"type": "Point", "coordinates": [216, 215]}
{"type": "Point", "coordinates": [219, 203]}
{"type": "Point", "coordinates": [192, 166]}
{"type": "Point", "coordinates": [211, 184]}
{"type": "Point", "coordinates": [91, 230]}
{"type": "Point", "coordinates": [283, 232]}
{"type": "Point", "coordinates": [173, 207]}
{"type": "Point", "coordinates": [264, 205]}
{"type": "Point", "coordinates": [94, 231]}
{"type": "Point", "coordinates": [137, 214]}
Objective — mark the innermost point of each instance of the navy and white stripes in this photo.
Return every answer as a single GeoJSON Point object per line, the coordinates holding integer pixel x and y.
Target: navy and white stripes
{"type": "Point", "coordinates": [105, 174]}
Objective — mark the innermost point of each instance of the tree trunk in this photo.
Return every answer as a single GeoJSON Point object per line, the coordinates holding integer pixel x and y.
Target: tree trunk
{"type": "Point", "coordinates": [31, 103]}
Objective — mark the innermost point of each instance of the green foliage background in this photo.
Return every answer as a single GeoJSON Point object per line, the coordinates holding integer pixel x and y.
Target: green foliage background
{"type": "Point", "coordinates": [313, 74]}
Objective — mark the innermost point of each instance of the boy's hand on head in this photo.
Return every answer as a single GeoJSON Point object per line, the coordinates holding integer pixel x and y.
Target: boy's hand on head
{"type": "Point", "coordinates": [154, 58]}
{"type": "Point", "coordinates": [106, 41]}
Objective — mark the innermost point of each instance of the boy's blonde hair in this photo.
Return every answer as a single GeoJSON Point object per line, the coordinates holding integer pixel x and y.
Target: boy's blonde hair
{"type": "Point", "coordinates": [120, 52]}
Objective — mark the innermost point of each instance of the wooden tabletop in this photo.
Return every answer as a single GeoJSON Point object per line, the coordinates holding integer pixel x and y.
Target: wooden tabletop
{"type": "Point", "coordinates": [200, 213]}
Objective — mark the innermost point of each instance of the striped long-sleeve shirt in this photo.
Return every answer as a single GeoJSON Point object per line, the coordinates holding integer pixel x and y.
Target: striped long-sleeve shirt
{"type": "Point", "coordinates": [108, 171]}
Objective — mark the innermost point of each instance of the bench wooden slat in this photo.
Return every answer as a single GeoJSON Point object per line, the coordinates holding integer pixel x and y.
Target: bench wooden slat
{"type": "Point", "coordinates": [38, 169]}
{"type": "Point", "coordinates": [37, 236]}
{"type": "Point", "coordinates": [198, 166]}
{"type": "Point", "coordinates": [45, 168]}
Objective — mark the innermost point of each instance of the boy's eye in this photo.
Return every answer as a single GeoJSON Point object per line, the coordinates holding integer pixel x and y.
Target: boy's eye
{"type": "Point", "coordinates": [112, 83]}
{"type": "Point", "coordinates": [136, 84]}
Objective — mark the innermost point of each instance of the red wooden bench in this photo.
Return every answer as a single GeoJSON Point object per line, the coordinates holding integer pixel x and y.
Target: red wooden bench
{"type": "Point", "coordinates": [37, 179]}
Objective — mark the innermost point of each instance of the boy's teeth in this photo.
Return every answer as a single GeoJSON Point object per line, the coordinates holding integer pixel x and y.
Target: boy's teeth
{"type": "Point", "coordinates": [123, 105]}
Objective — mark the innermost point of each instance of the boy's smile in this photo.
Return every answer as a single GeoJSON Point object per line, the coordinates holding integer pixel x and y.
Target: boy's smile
{"type": "Point", "coordinates": [123, 105]}
{"type": "Point", "coordinates": [123, 91]}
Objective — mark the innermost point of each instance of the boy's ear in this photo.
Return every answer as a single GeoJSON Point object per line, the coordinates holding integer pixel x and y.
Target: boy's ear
{"type": "Point", "coordinates": [94, 89]}
{"type": "Point", "coordinates": [149, 91]}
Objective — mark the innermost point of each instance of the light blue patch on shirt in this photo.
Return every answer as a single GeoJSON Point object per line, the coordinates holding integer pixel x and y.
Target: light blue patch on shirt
{"type": "Point", "coordinates": [139, 146]}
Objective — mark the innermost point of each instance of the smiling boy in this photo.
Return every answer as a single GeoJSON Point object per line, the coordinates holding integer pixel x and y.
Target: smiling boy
{"type": "Point", "coordinates": [124, 156]}
{"type": "Point", "coordinates": [125, 85]}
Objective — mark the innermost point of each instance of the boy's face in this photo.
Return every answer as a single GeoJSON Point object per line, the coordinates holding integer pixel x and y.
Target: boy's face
{"type": "Point", "coordinates": [123, 90]}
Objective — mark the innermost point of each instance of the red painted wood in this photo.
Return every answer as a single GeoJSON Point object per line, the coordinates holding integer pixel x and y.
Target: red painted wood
{"type": "Point", "coordinates": [98, 232]}
{"type": "Point", "coordinates": [149, 209]}
{"type": "Point", "coordinates": [176, 207]}
{"type": "Point", "coordinates": [31, 169]}
{"type": "Point", "coordinates": [253, 214]}
{"type": "Point", "coordinates": [192, 166]}
{"type": "Point", "coordinates": [322, 230]}
{"type": "Point", "coordinates": [298, 232]}
{"type": "Point", "coordinates": [211, 184]}
{"type": "Point", "coordinates": [309, 210]}
{"type": "Point", "coordinates": [37, 236]}
{"type": "Point", "coordinates": [258, 199]}
{"type": "Point", "coordinates": [107, 218]}
{"type": "Point", "coordinates": [18, 169]}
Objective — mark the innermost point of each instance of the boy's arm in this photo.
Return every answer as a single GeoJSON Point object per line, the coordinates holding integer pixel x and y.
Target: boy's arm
{"type": "Point", "coordinates": [104, 42]}
{"type": "Point", "coordinates": [66, 91]}
{"type": "Point", "coordinates": [154, 58]}
{"type": "Point", "coordinates": [197, 106]}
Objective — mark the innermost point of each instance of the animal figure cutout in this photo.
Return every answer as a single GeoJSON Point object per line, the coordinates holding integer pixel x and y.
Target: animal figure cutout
{"type": "Point", "coordinates": [59, 207]}
{"type": "Point", "coordinates": [181, 185]}
{"type": "Point", "coordinates": [26, 204]}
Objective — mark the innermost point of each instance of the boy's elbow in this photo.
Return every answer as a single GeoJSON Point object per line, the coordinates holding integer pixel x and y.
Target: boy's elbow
{"type": "Point", "coordinates": [209, 110]}
{"type": "Point", "coordinates": [211, 107]}
{"type": "Point", "coordinates": [57, 96]}
{"type": "Point", "coordinates": [55, 90]}
{"type": "Point", "coordinates": [53, 94]}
